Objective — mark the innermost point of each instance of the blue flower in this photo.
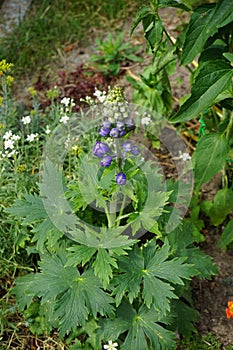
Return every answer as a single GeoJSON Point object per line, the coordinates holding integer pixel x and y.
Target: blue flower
{"type": "Point", "coordinates": [127, 145]}
{"type": "Point", "coordinates": [135, 151]}
{"type": "Point", "coordinates": [106, 161]}
{"type": "Point", "coordinates": [114, 132]}
{"type": "Point", "coordinates": [120, 126]}
{"type": "Point", "coordinates": [100, 149]}
{"type": "Point", "coordinates": [103, 131]}
{"type": "Point", "coordinates": [121, 179]}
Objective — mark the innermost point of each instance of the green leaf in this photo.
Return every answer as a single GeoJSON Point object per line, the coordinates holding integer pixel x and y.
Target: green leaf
{"type": "Point", "coordinates": [186, 315]}
{"type": "Point", "coordinates": [31, 208]}
{"type": "Point", "coordinates": [172, 3]}
{"type": "Point", "coordinates": [80, 254]}
{"type": "Point", "coordinates": [210, 157]}
{"type": "Point", "coordinates": [214, 79]}
{"type": "Point", "coordinates": [153, 271]}
{"type": "Point", "coordinates": [221, 206]}
{"type": "Point", "coordinates": [205, 22]}
{"type": "Point", "coordinates": [227, 235]}
{"type": "Point", "coordinates": [75, 296]}
{"type": "Point", "coordinates": [103, 266]}
{"type": "Point", "coordinates": [153, 30]}
{"type": "Point", "coordinates": [142, 12]}
{"type": "Point", "coordinates": [143, 327]}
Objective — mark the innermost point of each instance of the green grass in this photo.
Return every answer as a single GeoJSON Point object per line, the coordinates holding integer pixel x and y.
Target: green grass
{"type": "Point", "coordinates": [51, 25]}
{"type": "Point", "coordinates": [206, 342]}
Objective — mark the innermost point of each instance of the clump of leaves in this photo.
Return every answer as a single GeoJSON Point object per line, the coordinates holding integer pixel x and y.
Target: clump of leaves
{"type": "Point", "coordinates": [113, 53]}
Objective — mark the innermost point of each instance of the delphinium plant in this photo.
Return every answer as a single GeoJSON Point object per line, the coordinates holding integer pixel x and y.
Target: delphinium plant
{"type": "Point", "coordinates": [112, 273]}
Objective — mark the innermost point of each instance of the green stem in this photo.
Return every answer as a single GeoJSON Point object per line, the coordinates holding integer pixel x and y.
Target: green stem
{"type": "Point", "coordinates": [122, 209]}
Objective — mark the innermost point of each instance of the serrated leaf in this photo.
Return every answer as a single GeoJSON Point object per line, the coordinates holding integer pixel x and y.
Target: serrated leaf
{"type": "Point", "coordinates": [186, 315]}
{"type": "Point", "coordinates": [210, 157]}
{"type": "Point", "coordinates": [31, 208]}
{"type": "Point", "coordinates": [214, 79]}
{"type": "Point", "coordinates": [103, 266]}
{"type": "Point", "coordinates": [46, 232]}
{"type": "Point", "coordinates": [151, 269]}
{"type": "Point", "coordinates": [205, 22]}
{"type": "Point", "coordinates": [80, 254]}
{"type": "Point", "coordinates": [227, 235]}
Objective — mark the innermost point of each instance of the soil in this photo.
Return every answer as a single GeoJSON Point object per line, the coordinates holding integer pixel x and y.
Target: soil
{"type": "Point", "coordinates": [210, 296]}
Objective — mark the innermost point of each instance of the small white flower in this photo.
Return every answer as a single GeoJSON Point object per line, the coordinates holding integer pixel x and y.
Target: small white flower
{"type": "Point", "coordinates": [111, 346]}
{"type": "Point", "coordinates": [31, 137]}
{"type": "Point", "coordinates": [101, 95]}
{"type": "Point", "coordinates": [64, 119]}
{"type": "Point", "coordinates": [184, 156]}
{"type": "Point", "coordinates": [47, 130]}
{"type": "Point", "coordinates": [7, 135]}
{"type": "Point", "coordinates": [9, 144]}
{"type": "Point", "coordinates": [10, 154]}
{"type": "Point", "coordinates": [26, 120]}
{"type": "Point", "coordinates": [65, 101]}
{"type": "Point", "coordinates": [146, 120]}
{"type": "Point", "coordinates": [15, 137]}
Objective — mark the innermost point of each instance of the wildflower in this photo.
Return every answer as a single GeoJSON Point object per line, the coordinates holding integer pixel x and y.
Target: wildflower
{"type": "Point", "coordinates": [127, 145]}
{"type": "Point", "coordinates": [7, 135]}
{"type": "Point", "coordinates": [32, 91]}
{"type": "Point", "coordinates": [135, 150]}
{"type": "Point", "coordinates": [121, 179]}
{"type": "Point", "coordinates": [100, 149]}
{"type": "Point", "coordinates": [15, 137]}
{"type": "Point", "coordinates": [26, 120]}
{"type": "Point", "coordinates": [106, 161]}
{"type": "Point", "coordinates": [104, 131]}
{"type": "Point", "coordinates": [9, 144]}
{"type": "Point", "coordinates": [146, 120]}
{"type": "Point", "coordinates": [114, 132]}
{"type": "Point", "coordinates": [184, 156]}
{"type": "Point", "coordinates": [229, 310]}
{"type": "Point", "coordinates": [101, 95]}
{"type": "Point", "coordinates": [111, 346]}
{"type": "Point", "coordinates": [64, 119]}
{"type": "Point", "coordinates": [47, 130]}
{"type": "Point", "coordinates": [65, 101]}
{"type": "Point", "coordinates": [120, 126]}
{"type": "Point", "coordinates": [31, 137]}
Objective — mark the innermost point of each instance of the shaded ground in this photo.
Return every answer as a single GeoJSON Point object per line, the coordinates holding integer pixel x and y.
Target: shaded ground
{"type": "Point", "coordinates": [210, 297]}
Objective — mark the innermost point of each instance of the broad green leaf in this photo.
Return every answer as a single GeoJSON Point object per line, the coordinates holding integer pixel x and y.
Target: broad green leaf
{"type": "Point", "coordinates": [172, 3]}
{"type": "Point", "coordinates": [46, 232]}
{"type": "Point", "coordinates": [142, 12]}
{"type": "Point", "coordinates": [153, 30]}
{"type": "Point", "coordinates": [221, 206]}
{"type": "Point", "coordinates": [214, 79]}
{"type": "Point", "coordinates": [227, 235]}
{"type": "Point", "coordinates": [210, 157]}
{"type": "Point", "coordinates": [204, 23]}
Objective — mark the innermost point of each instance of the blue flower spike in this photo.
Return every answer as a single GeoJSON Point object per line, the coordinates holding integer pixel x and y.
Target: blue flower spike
{"type": "Point", "coordinates": [121, 179]}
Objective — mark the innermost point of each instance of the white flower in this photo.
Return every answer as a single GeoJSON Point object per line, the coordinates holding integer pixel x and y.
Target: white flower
{"type": "Point", "coordinates": [26, 120]}
{"type": "Point", "coordinates": [64, 119]}
{"type": "Point", "coordinates": [146, 120]}
{"type": "Point", "coordinates": [47, 130]}
{"type": "Point", "coordinates": [111, 346]}
{"type": "Point", "coordinates": [184, 156]}
{"type": "Point", "coordinates": [9, 144]}
{"type": "Point", "coordinates": [7, 135]}
{"type": "Point", "coordinates": [65, 101]}
{"type": "Point", "coordinates": [10, 154]}
{"type": "Point", "coordinates": [15, 137]}
{"type": "Point", "coordinates": [101, 95]}
{"type": "Point", "coordinates": [31, 137]}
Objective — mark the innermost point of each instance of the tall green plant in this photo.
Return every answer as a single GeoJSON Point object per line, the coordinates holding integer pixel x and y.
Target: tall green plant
{"type": "Point", "coordinates": [208, 39]}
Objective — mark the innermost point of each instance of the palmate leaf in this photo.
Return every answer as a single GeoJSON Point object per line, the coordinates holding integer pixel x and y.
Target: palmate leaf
{"type": "Point", "coordinates": [205, 22]}
{"type": "Point", "coordinates": [152, 272]}
{"type": "Point", "coordinates": [31, 208]}
{"type": "Point", "coordinates": [143, 329]}
{"type": "Point", "coordinates": [75, 295]}
{"type": "Point", "coordinates": [182, 243]}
